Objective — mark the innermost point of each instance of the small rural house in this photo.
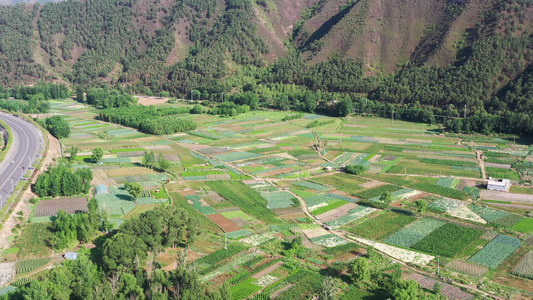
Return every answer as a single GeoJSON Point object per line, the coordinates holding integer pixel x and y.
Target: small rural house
{"type": "Point", "coordinates": [71, 255]}
{"type": "Point", "coordinates": [501, 185]}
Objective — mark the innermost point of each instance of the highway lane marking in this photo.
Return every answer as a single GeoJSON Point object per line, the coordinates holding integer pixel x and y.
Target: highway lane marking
{"type": "Point", "coordinates": [23, 132]}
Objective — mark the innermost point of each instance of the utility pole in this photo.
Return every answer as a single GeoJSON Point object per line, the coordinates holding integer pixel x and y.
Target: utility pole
{"type": "Point", "coordinates": [225, 241]}
{"type": "Point", "coordinates": [465, 112]}
{"type": "Point", "coordinates": [192, 97]}
{"type": "Point", "coordinates": [438, 265]}
{"type": "Point", "coordinates": [392, 121]}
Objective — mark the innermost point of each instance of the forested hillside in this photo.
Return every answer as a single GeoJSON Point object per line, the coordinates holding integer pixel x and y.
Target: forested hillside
{"type": "Point", "coordinates": [444, 57]}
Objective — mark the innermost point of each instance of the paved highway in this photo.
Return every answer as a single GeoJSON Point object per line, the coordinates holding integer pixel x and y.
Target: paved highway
{"type": "Point", "coordinates": [27, 143]}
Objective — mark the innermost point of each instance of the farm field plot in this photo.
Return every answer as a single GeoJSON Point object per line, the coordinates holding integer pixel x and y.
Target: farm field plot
{"type": "Point", "coordinates": [466, 213]}
{"type": "Point", "coordinates": [449, 291]}
{"type": "Point", "coordinates": [415, 232]}
{"type": "Point", "coordinates": [328, 240]}
{"type": "Point", "coordinates": [311, 185]}
{"type": "Point", "coordinates": [234, 156]}
{"type": "Point", "coordinates": [69, 205]}
{"type": "Point", "coordinates": [224, 223]}
{"type": "Point", "coordinates": [336, 213]}
{"type": "Point", "coordinates": [398, 253]}
{"type": "Point", "coordinates": [467, 268]}
{"type": "Point", "coordinates": [446, 182]}
{"type": "Point", "coordinates": [279, 199]}
{"type": "Point", "coordinates": [497, 251]}
{"type": "Point", "coordinates": [489, 214]}
{"type": "Point", "coordinates": [237, 234]}
{"type": "Point", "coordinates": [448, 240]}
{"type": "Point", "coordinates": [525, 267]}
{"type": "Point", "coordinates": [244, 197]}
{"type": "Point", "coordinates": [141, 178]}
{"type": "Point", "coordinates": [333, 204]}
{"type": "Point", "coordinates": [378, 191]}
{"type": "Point", "coordinates": [447, 204]}
{"type": "Point", "coordinates": [237, 214]}
{"type": "Point", "coordinates": [345, 182]}
{"type": "Point", "coordinates": [258, 239]}
{"type": "Point", "coordinates": [382, 225]}
{"type": "Point", "coordinates": [353, 214]}
{"type": "Point", "coordinates": [25, 266]}
{"type": "Point", "coordinates": [245, 289]}
{"type": "Point", "coordinates": [526, 226]}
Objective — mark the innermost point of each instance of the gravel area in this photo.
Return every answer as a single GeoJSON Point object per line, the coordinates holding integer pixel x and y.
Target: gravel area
{"type": "Point", "coordinates": [503, 196]}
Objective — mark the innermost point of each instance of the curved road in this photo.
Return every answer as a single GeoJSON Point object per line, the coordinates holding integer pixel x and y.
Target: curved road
{"type": "Point", "coordinates": [27, 143]}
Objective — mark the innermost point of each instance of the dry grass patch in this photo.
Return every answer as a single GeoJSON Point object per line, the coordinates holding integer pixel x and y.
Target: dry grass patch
{"type": "Point", "coordinates": [129, 172]}
{"type": "Point", "coordinates": [100, 177]}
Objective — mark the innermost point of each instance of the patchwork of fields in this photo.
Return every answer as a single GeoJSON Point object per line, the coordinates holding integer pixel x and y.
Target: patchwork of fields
{"type": "Point", "coordinates": [273, 207]}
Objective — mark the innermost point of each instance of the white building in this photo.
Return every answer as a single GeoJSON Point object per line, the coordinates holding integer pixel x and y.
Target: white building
{"type": "Point", "coordinates": [501, 185]}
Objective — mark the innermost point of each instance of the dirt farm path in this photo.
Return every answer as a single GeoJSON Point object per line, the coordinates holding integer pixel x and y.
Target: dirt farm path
{"type": "Point", "coordinates": [481, 162]}
{"type": "Point", "coordinates": [54, 151]}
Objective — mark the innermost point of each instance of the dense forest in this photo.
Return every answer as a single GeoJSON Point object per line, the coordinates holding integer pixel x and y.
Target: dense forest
{"type": "Point", "coordinates": [472, 76]}
{"type": "Point", "coordinates": [116, 271]}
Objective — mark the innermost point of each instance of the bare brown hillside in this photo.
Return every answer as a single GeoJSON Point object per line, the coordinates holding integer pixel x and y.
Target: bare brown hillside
{"type": "Point", "coordinates": [386, 34]}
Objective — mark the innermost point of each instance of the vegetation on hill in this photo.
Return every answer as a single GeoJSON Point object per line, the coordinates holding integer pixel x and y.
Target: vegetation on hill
{"type": "Point", "coordinates": [458, 59]}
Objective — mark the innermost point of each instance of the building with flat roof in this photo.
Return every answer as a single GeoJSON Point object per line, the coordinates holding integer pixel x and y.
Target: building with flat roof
{"type": "Point", "coordinates": [71, 255]}
{"type": "Point", "coordinates": [501, 185]}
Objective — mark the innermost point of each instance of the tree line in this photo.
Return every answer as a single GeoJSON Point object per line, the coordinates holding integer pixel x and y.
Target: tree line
{"type": "Point", "coordinates": [62, 180]}
{"type": "Point", "coordinates": [149, 119]}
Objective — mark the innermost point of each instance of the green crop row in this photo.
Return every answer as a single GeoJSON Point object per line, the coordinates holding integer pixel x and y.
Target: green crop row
{"type": "Point", "coordinates": [266, 265]}
{"type": "Point", "coordinates": [244, 197]}
{"type": "Point", "coordinates": [448, 240]}
{"type": "Point", "coordinates": [448, 162]}
{"type": "Point", "coordinates": [245, 289]}
{"type": "Point", "coordinates": [220, 255]}
{"type": "Point", "coordinates": [254, 261]}
{"type": "Point", "coordinates": [444, 191]}
{"type": "Point", "coordinates": [341, 249]}
{"type": "Point", "coordinates": [243, 275]}
{"type": "Point", "coordinates": [25, 266]}
{"type": "Point", "coordinates": [316, 123]}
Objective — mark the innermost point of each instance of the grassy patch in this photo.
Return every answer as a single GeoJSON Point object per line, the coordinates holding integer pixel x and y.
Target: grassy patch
{"type": "Point", "coordinates": [139, 209]}
{"type": "Point", "coordinates": [526, 226]}
{"type": "Point", "coordinates": [159, 195]}
{"type": "Point", "coordinates": [33, 242]}
{"type": "Point", "coordinates": [236, 214]}
{"type": "Point", "coordinates": [342, 181]}
{"type": "Point", "coordinates": [331, 205]}
{"type": "Point", "coordinates": [521, 190]}
{"type": "Point", "coordinates": [383, 225]}
{"type": "Point", "coordinates": [126, 150]}
{"type": "Point", "coordinates": [376, 192]}
{"type": "Point", "coordinates": [472, 249]}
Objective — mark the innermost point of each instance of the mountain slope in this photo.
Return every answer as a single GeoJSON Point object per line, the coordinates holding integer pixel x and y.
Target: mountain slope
{"type": "Point", "coordinates": [432, 52]}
